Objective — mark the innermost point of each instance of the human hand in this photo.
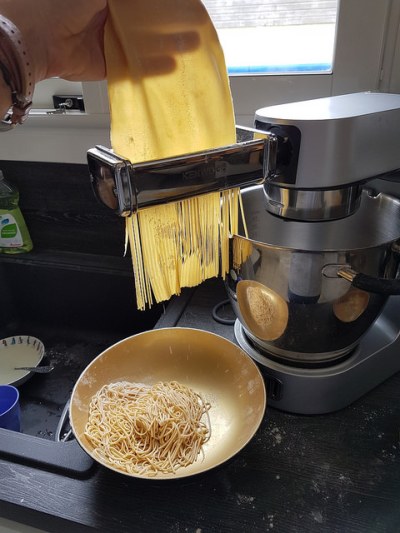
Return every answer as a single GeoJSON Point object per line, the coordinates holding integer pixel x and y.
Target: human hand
{"type": "Point", "coordinates": [156, 35]}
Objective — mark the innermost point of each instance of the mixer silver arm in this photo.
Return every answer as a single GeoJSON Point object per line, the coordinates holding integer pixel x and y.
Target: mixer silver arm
{"type": "Point", "coordinates": [330, 147]}
{"type": "Point", "coordinates": [126, 187]}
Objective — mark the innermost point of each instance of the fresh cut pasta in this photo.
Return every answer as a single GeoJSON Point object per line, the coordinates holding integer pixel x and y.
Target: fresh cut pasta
{"type": "Point", "coordinates": [147, 430]}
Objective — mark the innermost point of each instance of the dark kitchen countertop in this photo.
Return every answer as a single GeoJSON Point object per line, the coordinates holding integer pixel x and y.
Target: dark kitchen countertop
{"type": "Point", "coordinates": [337, 472]}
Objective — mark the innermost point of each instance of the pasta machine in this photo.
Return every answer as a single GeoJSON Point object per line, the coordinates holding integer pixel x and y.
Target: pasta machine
{"type": "Point", "coordinates": [126, 187]}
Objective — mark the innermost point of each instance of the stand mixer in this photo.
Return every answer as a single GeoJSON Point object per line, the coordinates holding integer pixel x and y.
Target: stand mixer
{"type": "Point", "coordinates": [313, 284]}
{"type": "Point", "coordinates": [332, 253]}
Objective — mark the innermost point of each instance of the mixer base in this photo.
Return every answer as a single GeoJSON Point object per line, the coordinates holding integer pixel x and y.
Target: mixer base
{"type": "Point", "coordinates": [330, 388]}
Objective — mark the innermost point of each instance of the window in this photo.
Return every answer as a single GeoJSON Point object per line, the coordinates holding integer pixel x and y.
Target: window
{"type": "Point", "coordinates": [275, 36]}
{"type": "Point", "coordinates": [366, 40]}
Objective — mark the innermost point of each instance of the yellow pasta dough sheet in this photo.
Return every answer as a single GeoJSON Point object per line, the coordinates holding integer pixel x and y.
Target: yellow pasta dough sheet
{"type": "Point", "coordinates": [169, 95]}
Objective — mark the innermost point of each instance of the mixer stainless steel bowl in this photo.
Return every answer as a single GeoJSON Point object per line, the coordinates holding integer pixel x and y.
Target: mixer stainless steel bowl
{"type": "Point", "coordinates": [292, 283]}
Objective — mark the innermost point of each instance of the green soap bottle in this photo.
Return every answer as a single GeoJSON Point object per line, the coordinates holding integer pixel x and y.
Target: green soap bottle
{"type": "Point", "coordinates": [14, 235]}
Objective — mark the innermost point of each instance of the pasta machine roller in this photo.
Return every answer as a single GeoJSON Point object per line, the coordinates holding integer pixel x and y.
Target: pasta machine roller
{"type": "Point", "coordinates": [126, 187]}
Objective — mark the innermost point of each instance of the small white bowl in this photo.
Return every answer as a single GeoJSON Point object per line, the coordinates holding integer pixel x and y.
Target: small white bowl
{"type": "Point", "coordinates": [17, 351]}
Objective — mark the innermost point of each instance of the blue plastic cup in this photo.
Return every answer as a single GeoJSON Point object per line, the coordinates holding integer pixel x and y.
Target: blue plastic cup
{"type": "Point", "coordinates": [10, 413]}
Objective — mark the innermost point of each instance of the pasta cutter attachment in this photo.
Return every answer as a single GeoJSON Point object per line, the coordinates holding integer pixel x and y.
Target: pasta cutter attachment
{"type": "Point", "coordinates": [125, 187]}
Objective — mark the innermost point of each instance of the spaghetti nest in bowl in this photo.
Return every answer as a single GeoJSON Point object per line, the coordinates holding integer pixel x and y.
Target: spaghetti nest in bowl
{"type": "Point", "coordinates": [167, 403]}
{"type": "Point", "coordinates": [148, 429]}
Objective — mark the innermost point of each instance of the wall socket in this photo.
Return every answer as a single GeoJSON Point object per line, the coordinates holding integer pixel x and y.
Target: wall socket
{"type": "Point", "coordinates": [69, 102]}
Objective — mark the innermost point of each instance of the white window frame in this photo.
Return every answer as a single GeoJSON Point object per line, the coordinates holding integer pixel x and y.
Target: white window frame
{"type": "Point", "coordinates": [366, 55]}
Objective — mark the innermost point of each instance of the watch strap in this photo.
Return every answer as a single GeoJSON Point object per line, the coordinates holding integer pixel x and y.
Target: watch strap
{"type": "Point", "coordinates": [17, 69]}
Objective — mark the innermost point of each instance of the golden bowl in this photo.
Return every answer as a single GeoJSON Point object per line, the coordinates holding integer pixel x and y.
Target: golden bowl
{"type": "Point", "coordinates": [217, 369]}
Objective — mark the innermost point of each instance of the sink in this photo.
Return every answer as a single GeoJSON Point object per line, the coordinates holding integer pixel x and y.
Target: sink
{"type": "Point", "coordinates": [77, 305]}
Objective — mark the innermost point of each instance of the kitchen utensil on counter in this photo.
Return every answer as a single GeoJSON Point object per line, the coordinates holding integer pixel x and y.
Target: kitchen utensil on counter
{"type": "Point", "coordinates": [10, 414]}
{"type": "Point", "coordinates": [326, 240]}
{"type": "Point", "coordinates": [213, 366]}
{"type": "Point", "coordinates": [125, 188]}
{"type": "Point", "coordinates": [19, 351]}
{"type": "Point", "coordinates": [36, 369]}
